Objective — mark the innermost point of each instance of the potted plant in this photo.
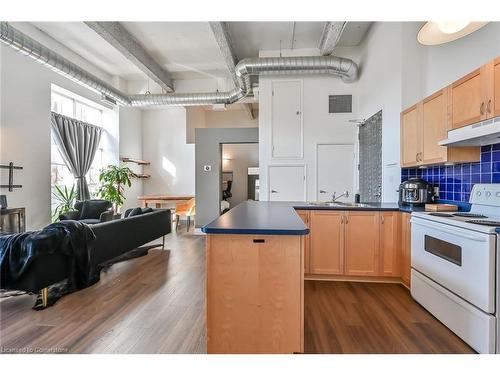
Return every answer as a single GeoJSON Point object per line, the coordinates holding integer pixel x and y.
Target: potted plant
{"type": "Point", "coordinates": [65, 198]}
{"type": "Point", "coordinates": [113, 179]}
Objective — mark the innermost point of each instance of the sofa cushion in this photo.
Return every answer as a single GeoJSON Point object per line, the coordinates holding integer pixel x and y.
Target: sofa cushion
{"type": "Point", "coordinates": [136, 211]}
{"type": "Point", "coordinates": [92, 209]}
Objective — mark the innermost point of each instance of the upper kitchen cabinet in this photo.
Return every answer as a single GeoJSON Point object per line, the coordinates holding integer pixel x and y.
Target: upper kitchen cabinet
{"type": "Point", "coordinates": [496, 88]}
{"type": "Point", "coordinates": [423, 126]}
{"type": "Point", "coordinates": [476, 96]}
{"type": "Point", "coordinates": [286, 121]}
{"type": "Point", "coordinates": [410, 136]}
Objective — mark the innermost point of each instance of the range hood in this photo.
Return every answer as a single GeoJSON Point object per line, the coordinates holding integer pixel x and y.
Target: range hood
{"type": "Point", "coordinates": [480, 134]}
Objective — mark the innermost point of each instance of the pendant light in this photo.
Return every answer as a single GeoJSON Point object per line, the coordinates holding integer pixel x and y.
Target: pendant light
{"type": "Point", "coordinates": [433, 33]}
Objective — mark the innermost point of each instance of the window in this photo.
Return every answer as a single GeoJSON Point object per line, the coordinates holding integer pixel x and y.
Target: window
{"type": "Point", "coordinates": [65, 103]}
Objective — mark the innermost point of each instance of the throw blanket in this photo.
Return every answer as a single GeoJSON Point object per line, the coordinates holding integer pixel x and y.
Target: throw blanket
{"type": "Point", "coordinates": [71, 238]}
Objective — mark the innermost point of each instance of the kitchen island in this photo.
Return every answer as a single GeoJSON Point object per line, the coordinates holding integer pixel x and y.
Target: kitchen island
{"type": "Point", "coordinates": [256, 263]}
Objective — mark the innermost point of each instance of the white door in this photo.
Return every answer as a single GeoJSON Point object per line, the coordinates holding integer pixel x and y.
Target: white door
{"type": "Point", "coordinates": [335, 171]}
{"type": "Point", "coordinates": [287, 183]}
{"type": "Point", "coordinates": [286, 122]}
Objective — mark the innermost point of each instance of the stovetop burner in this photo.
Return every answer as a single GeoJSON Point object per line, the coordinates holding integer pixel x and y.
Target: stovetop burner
{"type": "Point", "coordinates": [440, 214]}
{"type": "Point", "coordinates": [469, 214]}
{"type": "Point", "coordinates": [490, 223]}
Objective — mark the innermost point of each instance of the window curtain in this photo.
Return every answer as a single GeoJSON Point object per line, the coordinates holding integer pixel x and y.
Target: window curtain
{"type": "Point", "coordinates": [77, 142]}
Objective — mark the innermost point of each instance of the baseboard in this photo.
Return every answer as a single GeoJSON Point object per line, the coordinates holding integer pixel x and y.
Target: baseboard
{"type": "Point", "coordinates": [364, 279]}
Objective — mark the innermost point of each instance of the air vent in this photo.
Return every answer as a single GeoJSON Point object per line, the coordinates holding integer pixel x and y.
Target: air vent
{"type": "Point", "coordinates": [339, 103]}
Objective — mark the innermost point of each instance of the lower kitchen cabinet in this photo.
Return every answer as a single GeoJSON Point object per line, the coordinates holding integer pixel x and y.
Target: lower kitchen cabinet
{"type": "Point", "coordinates": [405, 263]}
{"type": "Point", "coordinates": [357, 243]}
{"type": "Point", "coordinates": [390, 244]}
{"type": "Point", "coordinates": [304, 215]}
{"type": "Point", "coordinates": [326, 242]}
{"type": "Point", "coordinates": [361, 243]}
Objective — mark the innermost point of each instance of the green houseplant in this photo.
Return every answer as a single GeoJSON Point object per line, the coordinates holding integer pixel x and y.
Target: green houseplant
{"type": "Point", "coordinates": [113, 179]}
{"type": "Point", "coordinates": [65, 198]}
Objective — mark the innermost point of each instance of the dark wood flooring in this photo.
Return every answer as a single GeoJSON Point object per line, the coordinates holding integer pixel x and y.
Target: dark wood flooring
{"type": "Point", "coordinates": [156, 304]}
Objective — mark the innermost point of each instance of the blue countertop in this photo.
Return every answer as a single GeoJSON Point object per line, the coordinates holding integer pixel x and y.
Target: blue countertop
{"type": "Point", "coordinates": [279, 218]}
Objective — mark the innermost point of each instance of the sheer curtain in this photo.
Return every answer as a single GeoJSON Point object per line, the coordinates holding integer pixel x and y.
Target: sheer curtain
{"type": "Point", "coordinates": [78, 142]}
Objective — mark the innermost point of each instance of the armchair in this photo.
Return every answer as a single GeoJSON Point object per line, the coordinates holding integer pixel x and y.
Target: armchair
{"type": "Point", "coordinates": [91, 211]}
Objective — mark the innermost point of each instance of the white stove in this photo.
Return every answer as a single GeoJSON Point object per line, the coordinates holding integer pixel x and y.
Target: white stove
{"type": "Point", "coordinates": [455, 263]}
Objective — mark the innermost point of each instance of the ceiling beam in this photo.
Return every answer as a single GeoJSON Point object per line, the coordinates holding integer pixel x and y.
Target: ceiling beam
{"type": "Point", "coordinates": [330, 37]}
{"type": "Point", "coordinates": [221, 34]}
{"type": "Point", "coordinates": [116, 35]}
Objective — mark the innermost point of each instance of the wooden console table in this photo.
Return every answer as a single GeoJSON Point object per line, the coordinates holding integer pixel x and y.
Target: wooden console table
{"type": "Point", "coordinates": [12, 220]}
{"type": "Point", "coordinates": [158, 200]}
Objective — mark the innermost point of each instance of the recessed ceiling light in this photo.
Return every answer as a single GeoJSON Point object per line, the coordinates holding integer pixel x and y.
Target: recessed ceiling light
{"type": "Point", "coordinates": [433, 33]}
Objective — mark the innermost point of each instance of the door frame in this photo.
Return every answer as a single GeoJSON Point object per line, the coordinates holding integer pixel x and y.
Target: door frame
{"type": "Point", "coordinates": [316, 187]}
{"type": "Point", "coordinates": [271, 151]}
{"type": "Point", "coordinates": [268, 172]}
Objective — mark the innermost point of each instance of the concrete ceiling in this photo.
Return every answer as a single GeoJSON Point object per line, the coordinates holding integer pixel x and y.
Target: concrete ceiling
{"type": "Point", "coordinates": [189, 50]}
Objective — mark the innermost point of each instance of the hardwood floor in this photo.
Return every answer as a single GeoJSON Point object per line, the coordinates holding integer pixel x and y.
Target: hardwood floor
{"type": "Point", "coordinates": [362, 318]}
{"type": "Point", "coordinates": [156, 304]}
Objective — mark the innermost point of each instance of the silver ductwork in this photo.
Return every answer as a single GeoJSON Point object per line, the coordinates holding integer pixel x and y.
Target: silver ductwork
{"type": "Point", "coordinates": [41, 54]}
{"type": "Point", "coordinates": [346, 69]}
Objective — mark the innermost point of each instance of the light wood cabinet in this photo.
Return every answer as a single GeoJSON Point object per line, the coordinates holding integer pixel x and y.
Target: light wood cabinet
{"type": "Point", "coordinates": [410, 136]}
{"type": "Point", "coordinates": [254, 294]}
{"type": "Point", "coordinates": [361, 243]}
{"type": "Point", "coordinates": [326, 242]}
{"type": "Point", "coordinates": [423, 126]}
{"type": "Point", "coordinates": [405, 263]}
{"type": "Point", "coordinates": [354, 243]}
{"type": "Point", "coordinates": [304, 215]}
{"type": "Point", "coordinates": [467, 99]}
{"type": "Point", "coordinates": [476, 96]}
{"type": "Point", "coordinates": [496, 87]}
{"type": "Point", "coordinates": [390, 243]}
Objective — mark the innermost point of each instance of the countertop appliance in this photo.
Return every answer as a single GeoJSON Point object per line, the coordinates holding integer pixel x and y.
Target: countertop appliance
{"type": "Point", "coordinates": [455, 260]}
{"type": "Point", "coordinates": [415, 191]}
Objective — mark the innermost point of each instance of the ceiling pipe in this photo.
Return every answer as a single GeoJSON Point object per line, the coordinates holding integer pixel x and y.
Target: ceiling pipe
{"type": "Point", "coordinates": [344, 68]}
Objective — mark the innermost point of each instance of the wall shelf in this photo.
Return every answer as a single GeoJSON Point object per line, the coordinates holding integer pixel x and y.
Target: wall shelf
{"type": "Point", "coordinates": [132, 160]}
{"type": "Point", "coordinates": [141, 175]}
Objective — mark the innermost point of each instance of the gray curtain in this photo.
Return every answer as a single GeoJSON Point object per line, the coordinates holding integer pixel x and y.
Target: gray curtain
{"type": "Point", "coordinates": [78, 142]}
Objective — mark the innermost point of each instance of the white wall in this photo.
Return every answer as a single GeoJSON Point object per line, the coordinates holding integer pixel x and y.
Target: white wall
{"type": "Point", "coordinates": [319, 125]}
{"type": "Point", "coordinates": [131, 146]}
{"type": "Point", "coordinates": [237, 158]}
{"type": "Point", "coordinates": [172, 166]}
{"type": "Point", "coordinates": [25, 131]}
{"type": "Point", "coordinates": [379, 88]}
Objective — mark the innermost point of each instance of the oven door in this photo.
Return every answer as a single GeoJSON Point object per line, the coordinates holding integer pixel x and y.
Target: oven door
{"type": "Point", "coordinates": [460, 260]}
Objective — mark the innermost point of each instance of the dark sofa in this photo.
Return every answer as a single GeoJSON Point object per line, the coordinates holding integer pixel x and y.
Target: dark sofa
{"type": "Point", "coordinates": [113, 238]}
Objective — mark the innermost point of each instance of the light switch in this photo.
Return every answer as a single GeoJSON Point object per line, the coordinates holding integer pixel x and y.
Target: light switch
{"type": "Point", "coordinates": [207, 168]}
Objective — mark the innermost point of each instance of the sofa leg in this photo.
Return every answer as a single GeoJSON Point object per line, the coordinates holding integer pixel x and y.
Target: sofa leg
{"type": "Point", "coordinates": [176, 222]}
{"type": "Point", "coordinates": [188, 224]}
{"type": "Point", "coordinates": [45, 296]}
{"type": "Point", "coordinates": [163, 243]}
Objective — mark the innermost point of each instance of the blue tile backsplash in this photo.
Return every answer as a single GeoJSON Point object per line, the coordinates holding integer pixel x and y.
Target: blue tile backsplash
{"type": "Point", "coordinates": [455, 181]}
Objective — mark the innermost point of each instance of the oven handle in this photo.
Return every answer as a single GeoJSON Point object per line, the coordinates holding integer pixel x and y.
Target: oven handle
{"type": "Point", "coordinates": [472, 238]}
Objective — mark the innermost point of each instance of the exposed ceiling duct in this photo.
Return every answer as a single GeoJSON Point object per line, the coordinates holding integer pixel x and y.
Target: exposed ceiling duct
{"type": "Point", "coordinates": [346, 69]}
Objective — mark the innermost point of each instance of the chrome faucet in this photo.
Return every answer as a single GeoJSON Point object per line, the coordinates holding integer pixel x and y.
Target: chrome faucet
{"type": "Point", "coordinates": [344, 194]}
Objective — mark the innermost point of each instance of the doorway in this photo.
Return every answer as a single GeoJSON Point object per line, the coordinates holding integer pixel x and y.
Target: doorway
{"type": "Point", "coordinates": [239, 174]}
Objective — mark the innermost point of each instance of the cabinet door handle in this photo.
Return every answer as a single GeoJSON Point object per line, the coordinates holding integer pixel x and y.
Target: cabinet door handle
{"type": "Point", "coordinates": [382, 219]}
{"type": "Point", "coordinates": [323, 192]}
{"type": "Point", "coordinates": [488, 108]}
{"type": "Point", "coordinates": [259, 240]}
{"type": "Point", "coordinates": [342, 219]}
{"type": "Point", "coordinates": [416, 157]}
{"type": "Point", "coordinates": [347, 220]}
{"type": "Point", "coordinates": [481, 109]}
{"type": "Point", "coordinates": [273, 191]}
